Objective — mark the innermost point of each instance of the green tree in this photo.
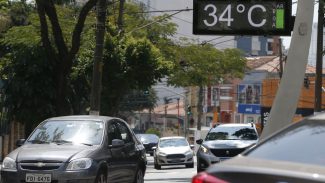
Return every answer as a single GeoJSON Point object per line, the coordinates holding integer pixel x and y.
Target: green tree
{"type": "Point", "coordinates": [130, 64]}
{"type": "Point", "coordinates": [59, 52]}
{"type": "Point", "coordinates": [203, 65]}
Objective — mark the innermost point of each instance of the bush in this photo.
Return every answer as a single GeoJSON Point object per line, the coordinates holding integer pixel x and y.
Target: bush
{"type": "Point", "coordinates": [153, 131]}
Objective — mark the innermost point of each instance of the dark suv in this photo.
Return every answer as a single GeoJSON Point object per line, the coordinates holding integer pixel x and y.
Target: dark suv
{"type": "Point", "coordinates": [223, 142]}
{"type": "Point", "coordinates": [77, 149]}
{"type": "Point", "coordinates": [149, 141]}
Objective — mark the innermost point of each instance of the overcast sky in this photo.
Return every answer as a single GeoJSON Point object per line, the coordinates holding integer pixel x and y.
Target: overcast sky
{"type": "Point", "coordinates": [287, 39]}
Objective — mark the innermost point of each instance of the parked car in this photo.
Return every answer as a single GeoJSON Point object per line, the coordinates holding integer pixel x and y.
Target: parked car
{"type": "Point", "coordinates": [149, 141]}
{"type": "Point", "coordinates": [173, 151]}
{"type": "Point", "coordinates": [96, 149]}
{"type": "Point", "coordinates": [294, 154]}
{"type": "Point", "coordinates": [225, 141]}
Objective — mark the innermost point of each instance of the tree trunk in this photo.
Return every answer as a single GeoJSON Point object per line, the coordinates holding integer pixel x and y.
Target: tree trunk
{"type": "Point", "coordinates": [62, 59]}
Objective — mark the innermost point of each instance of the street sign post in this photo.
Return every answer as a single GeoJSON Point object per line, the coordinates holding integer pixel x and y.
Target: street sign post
{"type": "Point", "coordinates": [242, 17]}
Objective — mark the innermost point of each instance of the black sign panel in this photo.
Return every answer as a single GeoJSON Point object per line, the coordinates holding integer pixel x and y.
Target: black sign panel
{"type": "Point", "coordinates": [242, 17]}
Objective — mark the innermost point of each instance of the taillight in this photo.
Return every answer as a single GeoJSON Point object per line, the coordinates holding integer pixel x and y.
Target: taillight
{"type": "Point", "coordinates": [206, 178]}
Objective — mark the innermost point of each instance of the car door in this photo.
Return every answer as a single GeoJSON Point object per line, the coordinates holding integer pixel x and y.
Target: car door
{"type": "Point", "coordinates": [130, 151]}
{"type": "Point", "coordinates": [116, 161]}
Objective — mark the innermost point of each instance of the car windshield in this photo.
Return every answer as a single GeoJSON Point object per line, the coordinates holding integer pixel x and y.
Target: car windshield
{"type": "Point", "coordinates": [61, 132]}
{"type": "Point", "coordinates": [301, 143]}
{"type": "Point", "coordinates": [172, 143]}
{"type": "Point", "coordinates": [232, 133]}
{"type": "Point", "coordinates": [148, 138]}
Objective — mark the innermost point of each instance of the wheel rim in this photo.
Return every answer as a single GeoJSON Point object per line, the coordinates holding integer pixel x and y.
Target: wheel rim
{"type": "Point", "coordinates": [140, 176]}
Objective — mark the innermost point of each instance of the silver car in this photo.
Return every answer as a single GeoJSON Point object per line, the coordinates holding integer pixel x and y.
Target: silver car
{"type": "Point", "coordinates": [77, 149]}
{"type": "Point", "coordinates": [294, 154]}
{"type": "Point", "coordinates": [223, 142]}
{"type": "Point", "coordinates": [173, 151]}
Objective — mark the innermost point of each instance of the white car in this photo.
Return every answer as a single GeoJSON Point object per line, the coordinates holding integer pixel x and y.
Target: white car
{"type": "Point", "coordinates": [173, 151]}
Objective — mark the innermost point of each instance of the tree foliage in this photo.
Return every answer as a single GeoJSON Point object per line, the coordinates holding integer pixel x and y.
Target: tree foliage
{"type": "Point", "coordinates": [47, 64]}
{"type": "Point", "coordinates": [202, 65]}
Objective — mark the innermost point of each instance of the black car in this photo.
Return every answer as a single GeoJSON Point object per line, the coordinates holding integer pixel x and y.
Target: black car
{"type": "Point", "coordinates": [96, 149]}
{"type": "Point", "coordinates": [225, 141]}
{"type": "Point", "coordinates": [149, 141]}
{"type": "Point", "coordinates": [294, 154]}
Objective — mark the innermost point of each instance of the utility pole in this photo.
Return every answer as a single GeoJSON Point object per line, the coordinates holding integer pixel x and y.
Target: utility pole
{"type": "Point", "coordinates": [281, 59]}
{"type": "Point", "coordinates": [120, 17]}
{"type": "Point", "coordinates": [178, 123]}
{"type": "Point", "coordinates": [98, 58]}
{"type": "Point", "coordinates": [319, 60]}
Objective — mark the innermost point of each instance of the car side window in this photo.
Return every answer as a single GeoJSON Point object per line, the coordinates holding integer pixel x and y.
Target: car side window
{"type": "Point", "coordinates": [112, 133]}
{"type": "Point", "coordinates": [124, 131]}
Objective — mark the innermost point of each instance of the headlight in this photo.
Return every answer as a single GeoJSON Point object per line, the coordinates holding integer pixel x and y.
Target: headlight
{"type": "Point", "coordinates": [9, 164]}
{"type": "Point", "coordinates": [80, 164]}
{"type": "Point", "coordinates": [189, 152]}
{"type": "Point", "coordinates": [204, 149]}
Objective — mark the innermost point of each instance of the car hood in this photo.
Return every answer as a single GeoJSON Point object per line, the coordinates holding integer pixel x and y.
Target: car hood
{"type": "Point", "coordinates": [49, 152]}
{"type": "Point", "coordinates": [174, 150]}
{"type": "Point", "coordinates": [228, 144]}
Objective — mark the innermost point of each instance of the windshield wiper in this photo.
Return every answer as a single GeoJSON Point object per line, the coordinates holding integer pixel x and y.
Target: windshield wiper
{"type": "Point", "coordinates": [62, 142]}
{"type": "Point", "coordinates": [36, 141]}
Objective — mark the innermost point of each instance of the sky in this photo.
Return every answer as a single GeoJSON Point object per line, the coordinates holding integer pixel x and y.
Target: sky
{"type": "Point", "coordinates": [287, 39]}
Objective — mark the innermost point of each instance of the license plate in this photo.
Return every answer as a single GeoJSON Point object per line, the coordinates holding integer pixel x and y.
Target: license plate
{"type": "Point", "coordinates": [31, 177]}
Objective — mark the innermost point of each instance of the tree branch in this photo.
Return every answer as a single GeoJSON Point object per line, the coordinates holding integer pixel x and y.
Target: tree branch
{"type": "Point", "coordinates": [56, 28]}
{"type": "Point", "coordinates": [44, 30]}
{"type": "Point", "coordinates": [79, 26]}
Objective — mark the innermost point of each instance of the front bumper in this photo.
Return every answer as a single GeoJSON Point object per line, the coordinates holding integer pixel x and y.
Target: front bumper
{"type": "Point", "coordinates": [174, 160]}
{"type": "Point", "coordinates": [204, 160]}
{"type": "Point", "coordinates": [19, 176]}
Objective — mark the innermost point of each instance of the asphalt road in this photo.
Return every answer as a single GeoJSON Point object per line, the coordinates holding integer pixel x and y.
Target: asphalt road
{"type": "Point", "coordinates": [168, 174]}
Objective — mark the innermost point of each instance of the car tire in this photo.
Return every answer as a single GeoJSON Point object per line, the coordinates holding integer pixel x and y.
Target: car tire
{"type": "Point", "coordinates": [191, 165]}
{"type": "Point", "coordinates": [101, 177]}
{"type": "Point", "coordinates": [139, 176]}
{"type": "Point", "coordinates": [158, 167]}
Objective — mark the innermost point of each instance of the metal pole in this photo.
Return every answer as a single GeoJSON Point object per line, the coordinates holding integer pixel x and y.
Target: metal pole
{"type": "Point", "coordinates": [281, 59]}
{"type": "Point", "coordinates": [319, 60]}
{"type": "Point", "coordinates": [178, 115]}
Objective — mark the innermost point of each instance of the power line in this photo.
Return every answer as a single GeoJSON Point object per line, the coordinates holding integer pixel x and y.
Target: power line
{"type": "Point", "coordinates": [161, 19]}
{"type": "Point", "coordinates": [158, 11]}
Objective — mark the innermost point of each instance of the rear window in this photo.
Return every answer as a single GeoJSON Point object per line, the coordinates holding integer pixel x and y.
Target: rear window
{"type": "Point", "coordinates": [302, 143]}
{"type": "Point", "coordinates": [232, 133]}
{"type": "Point", "coordinates": [148, 138]}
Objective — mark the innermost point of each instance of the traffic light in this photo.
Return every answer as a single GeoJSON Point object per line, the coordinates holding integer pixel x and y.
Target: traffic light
{"type": "Point", "coordinates": [306, 82]}
{"type": "Point", "coordinates": [189, 110]}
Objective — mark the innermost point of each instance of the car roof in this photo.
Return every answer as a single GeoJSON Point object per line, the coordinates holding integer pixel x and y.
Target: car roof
{"type": "Point", "coordinates": [172, 137]}
{"type": "Point", "coordinates": [235, 125]}
{"type": "Point", "coordinates": [82, 118]}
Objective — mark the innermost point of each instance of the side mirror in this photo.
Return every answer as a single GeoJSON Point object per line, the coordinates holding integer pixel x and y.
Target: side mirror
{"type": "Point", "coordinates": [192, 146]}
{"type": "Point", "coordinates": [20, 142]}
{"type": "Point", "coordinates": [154, 148]}
{"type": "Point", "coordinates": [200, 141]}
{"type": "Point", "coordinates": [117, 143]}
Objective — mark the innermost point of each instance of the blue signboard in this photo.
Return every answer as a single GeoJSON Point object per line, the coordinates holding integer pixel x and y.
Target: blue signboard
{"type": "Point", "coordinates": [249, 98]}
{"type": "Point", "coordinates": [249, 109]}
